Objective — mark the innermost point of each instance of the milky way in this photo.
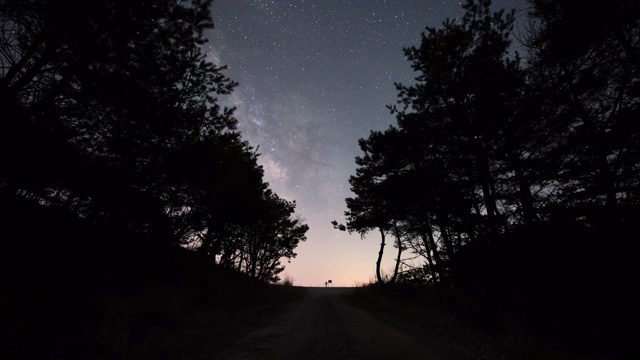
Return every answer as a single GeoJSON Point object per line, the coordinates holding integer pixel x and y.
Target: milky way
{"type": "Point", "coordinates": [314, 77]}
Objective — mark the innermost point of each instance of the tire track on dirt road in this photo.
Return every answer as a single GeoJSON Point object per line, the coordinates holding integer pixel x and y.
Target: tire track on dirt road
{"type": "Point", "coordinates": [322, 326]}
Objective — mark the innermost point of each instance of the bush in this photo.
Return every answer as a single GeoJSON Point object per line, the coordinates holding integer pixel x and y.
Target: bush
{"type": "Point", "coordinates": [287, 281]}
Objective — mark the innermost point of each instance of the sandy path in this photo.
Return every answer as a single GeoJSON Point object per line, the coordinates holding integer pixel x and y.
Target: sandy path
{"type": "Point", "coordinates": [323, 326]}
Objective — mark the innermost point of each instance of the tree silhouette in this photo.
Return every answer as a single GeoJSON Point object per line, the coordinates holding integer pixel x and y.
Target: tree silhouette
{"type": "Point", "coordinates": [505, 173]}
{"type": "Point", "coordinates": [119, 86]}
{"type": "Point", "coordinates": [447, 150]}
{"type": "Point", "coordinates": [111, 114]}
{"type": "Point", "coordinates": [591, 97]}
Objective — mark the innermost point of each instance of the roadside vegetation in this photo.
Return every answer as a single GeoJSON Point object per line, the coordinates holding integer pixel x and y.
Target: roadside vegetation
{"type": "Point", "coordinates": [172, 304]}
{"type": "Point", "coordinates": [111, 118]}
{"type": "Point", "coordinates": [463, 326]}
{"type": "Point", "coordinates": [137, 222]}
{"type": "Point", "coordinates": [508, 189]}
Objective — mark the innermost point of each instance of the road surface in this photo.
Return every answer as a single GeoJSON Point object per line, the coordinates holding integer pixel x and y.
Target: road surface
{"type": "Point", "coordinates": [322, 326]}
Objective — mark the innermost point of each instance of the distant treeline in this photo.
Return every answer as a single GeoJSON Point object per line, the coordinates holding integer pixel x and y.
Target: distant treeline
{"type": "Point", "coordinates": [110, 120]}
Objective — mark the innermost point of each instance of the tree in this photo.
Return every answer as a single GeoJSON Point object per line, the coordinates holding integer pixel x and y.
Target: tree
{"type": "Point", "coordinates": [112, 114]}
{"type": "Point", "coordinates": [106, 88]}
{"type": "Point", "coordinates": [461, 101]}
{"type": "Point", "coordinates": [516, 180]}
{"type": "Point", "coordinates": [371, 208]}
{"type": "Point", "coordinates": [273, 237]}
{"type": "Point", "coordinates": [584, 58]}
{"type": "Point", "coordinates": [439, 172]}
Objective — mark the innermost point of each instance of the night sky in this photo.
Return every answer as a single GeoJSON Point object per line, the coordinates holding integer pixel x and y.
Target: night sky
{"type": "Point", "coordinates": [314, 77]}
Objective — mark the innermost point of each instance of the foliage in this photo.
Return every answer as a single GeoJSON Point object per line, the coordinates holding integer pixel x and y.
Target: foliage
{"type": "Point", "coordinates": [514, 177]}
{"type": "Point", "coordinates": [63, 298]}
{"type": "Point", "coordinates": [485, 142]}
{"type": "Point", "coordinates": [111, 115]}
{"type": "Point", "coordinates": [287, 281]}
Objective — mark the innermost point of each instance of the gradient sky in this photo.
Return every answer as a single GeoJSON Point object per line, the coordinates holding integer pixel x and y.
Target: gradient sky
{"type": "Point", "coordinates": [314, 77]}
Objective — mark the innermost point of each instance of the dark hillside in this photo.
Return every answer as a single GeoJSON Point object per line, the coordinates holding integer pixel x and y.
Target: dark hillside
{"type": "Point", "coordinates": [557, 283]}
{"type": "Point", "coordinates": [551, 291]}
{"type": "Point", "coordinates": [73, 290]}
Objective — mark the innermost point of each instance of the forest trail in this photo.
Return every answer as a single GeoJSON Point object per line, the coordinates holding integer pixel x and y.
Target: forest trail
{"type": "Point", "coordinates": [322, 326]}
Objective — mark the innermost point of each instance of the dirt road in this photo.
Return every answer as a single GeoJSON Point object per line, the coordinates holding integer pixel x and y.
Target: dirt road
{"type": "Point", "coordinates": [323, 326]}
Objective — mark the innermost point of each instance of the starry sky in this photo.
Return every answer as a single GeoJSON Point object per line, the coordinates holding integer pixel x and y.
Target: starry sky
{"type": "Point", "coordinates": [314, 77]}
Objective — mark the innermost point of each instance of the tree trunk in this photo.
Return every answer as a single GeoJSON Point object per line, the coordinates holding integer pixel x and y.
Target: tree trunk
{"type": "Point", "coordinates": [432, 268]}
{"type": "Point", "coordinates": [486, 184]}
{"type": "Point", "coordinates": [207, 242]}
{"type": "Point", "coordinates": [398, 236]}
{"type": "Point", "coordinates": [608, 183]}
{"type": "Point", "coordinates": [436, 253]}
{"type": "Point", "coordinates": [445, 236]}
{"type": "Point", "coordinates": [526, 198]}
{"type": "Point", "coordinates": [489, 203]}
{"type": "Point", "coordinates": [379, 262]}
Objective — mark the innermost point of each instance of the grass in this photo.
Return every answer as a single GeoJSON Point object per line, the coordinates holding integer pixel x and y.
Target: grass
{"type": "Point", "coordinates": [456, 326]}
